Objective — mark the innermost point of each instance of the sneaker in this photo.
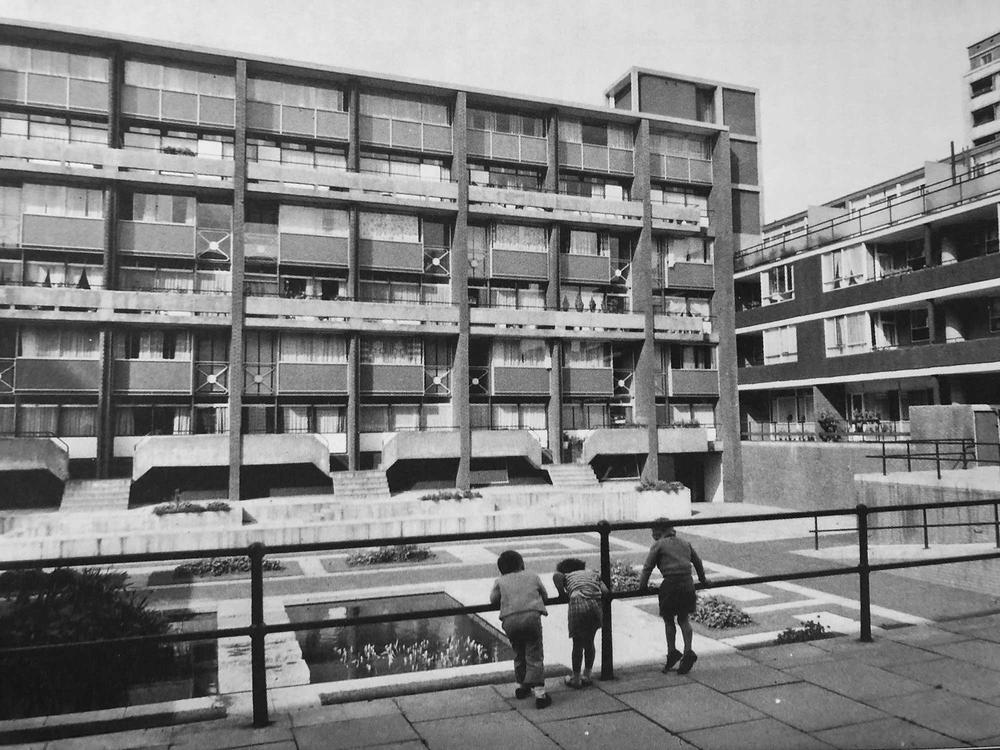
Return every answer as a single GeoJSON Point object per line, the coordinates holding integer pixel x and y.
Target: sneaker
{"type": "Point", "coordinates": [586, 681]}
{"type": "Point", "coordinates": [672, 658]}
{"type": "Point", "coordinates": [544, 701]}
{"type": "Point", "coordinates": [522, 692]}
{"type": "Point", "coordinates": [687, 661]}
{"type": "Point", "coordinates": [574, 682]}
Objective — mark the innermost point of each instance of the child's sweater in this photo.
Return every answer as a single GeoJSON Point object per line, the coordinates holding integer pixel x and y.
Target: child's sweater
{"type": "Point", "coordinates": [520, 591]}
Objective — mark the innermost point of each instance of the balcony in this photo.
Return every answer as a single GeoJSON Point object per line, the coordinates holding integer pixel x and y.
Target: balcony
{"type": "Point", "coordinates": [152, 376]}
{"type": "Point", "coordinates": [671, 215]}
{"type": "Point", "coordinates": [508, 380]}
{"type": "Point", "coordinates": [684, 275]}
{"type": "Point", "coordinates": [313, 250]}
{"type": "Point", "coordinates": [67, 375]}
{"type": "Point", "coordinates": [587, 269]}
{"type": "Point", "coordinates": [586, 381]}
{"type": "Point", "coordinates": [391, 256]}
{"type": "Point", "coordinates": [693, 383]}
{"type": "Point", "coordinates": [396, 133]}
{"type": "Point", "coordinates": [312, 377]}
{"type": "Point", "coordinates": [596, 158]}
{"type": "Point", "coordinates": [491, 201]}
{"type": "Point", "coordinates": [62, 232]}
{"type": "Point", "coordinates": [415, 446]}
{"type": "Point", "coordinates": [302, 121]}
{"type": "Point", "coordinates": [518, 264]}
{"type": "Point", "coordinates": [670, 167]}
{"type": "Point", "coordinates": [392, 379]}
{"type": "Point", "coordinates": [159, 104]}
{"type": "Point", "coordinates": [507, 147]}
{"type": "Point", "coordinates": [147, 238]}
{"type": "Point", "coordinates": [605, 441]}
{"type": "Point", "coordinates": [683, 439]}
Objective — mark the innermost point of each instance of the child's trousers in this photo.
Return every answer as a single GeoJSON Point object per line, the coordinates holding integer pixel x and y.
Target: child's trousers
{"type": "Point", "coordinates": [524, 629]}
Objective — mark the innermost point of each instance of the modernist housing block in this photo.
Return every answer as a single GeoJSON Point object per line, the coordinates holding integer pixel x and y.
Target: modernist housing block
{"type": "Point", "coordinates": [213, 260]}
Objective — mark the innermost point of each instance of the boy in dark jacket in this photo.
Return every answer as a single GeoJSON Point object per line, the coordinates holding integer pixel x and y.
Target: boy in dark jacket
{"type": "Point", "coordinates": [674, 558]}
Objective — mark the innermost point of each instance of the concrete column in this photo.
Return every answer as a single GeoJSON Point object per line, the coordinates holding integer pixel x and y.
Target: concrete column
{"type": "Point", "coordinates": [551, 183]}
{"type": "Point", "coordinates": [116, 77]}
{"type": "Point", "coordinates": [642, 302]}
{"type": "Point", "coordinates": [353, 402]}
{"type": "Point", "coordinates": [720, 205]}
{"type": "Point", "coordinates": [237, 299]}
{"type": "Point", "coordinates": [928, 245]}
{"type": "Point", "coordinates": [555, 428]}
{"type": "Point", "coordinates": [460, 293]}
{"type": "Point", "coordinates": [105, 407]}
{"type": "Point", "coordinates": [552, 291]}
{"type": "Point", "coordinates": [932, 321]}
{"type": "Point", "coordinates": [354, 136]}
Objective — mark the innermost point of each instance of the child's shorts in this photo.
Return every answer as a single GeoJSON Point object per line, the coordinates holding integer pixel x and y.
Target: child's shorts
{"type": "Point", "coordinates": [677, 599]}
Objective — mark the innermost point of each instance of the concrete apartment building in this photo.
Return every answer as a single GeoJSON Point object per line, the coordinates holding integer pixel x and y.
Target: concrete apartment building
{"type": "Point", "coordinates": [881, 300]}
{"type": "Point", "coordinates": [213, 260]}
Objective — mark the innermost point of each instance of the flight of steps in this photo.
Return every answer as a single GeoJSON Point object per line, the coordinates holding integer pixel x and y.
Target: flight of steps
{"type": "Point", "coordinates": [83, 495]}
{"type": "Point", "coordinates": [368, 485]}
{"type": "Point", "coordinates": [572, 475]}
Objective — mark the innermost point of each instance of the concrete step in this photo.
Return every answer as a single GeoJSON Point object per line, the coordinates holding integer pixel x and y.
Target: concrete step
{"type": "Point", "coordinates": [368, 484]}
{"type": "Point", "coordinates": [81, 495]}
{"type": "Point", "coordinates": [572, 475]}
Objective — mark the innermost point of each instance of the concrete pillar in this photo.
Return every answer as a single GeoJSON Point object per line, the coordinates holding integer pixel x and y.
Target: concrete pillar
{"type": "Point", "coordinates": [551, 183]}
{"type": "Point", "coordinates": [354, 134]}
{"type": "Point", "coordinates": [116, 78]}
{"type": "Point", "coordinates": [720, 206]}
{"type": "Point", "coordinates": [928, 245]}
{"type": "Point", "coordinates": [932, 321]}
{"type": "Point", "coordinates": [237, 299]}
{"type": "Point", "coordinates": [353, 402]}
{"type": "Point", "coordinates": [555, 428]}
{"type": "Point", "coordinates": [642, 301]}
{"type": "Point", "coordinates": [105, 407]}
{"type": "Point", "coordinates": [460, 294]}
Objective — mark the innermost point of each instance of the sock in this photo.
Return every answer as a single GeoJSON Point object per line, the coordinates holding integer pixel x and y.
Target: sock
{"type": "Point", "coordinates": [538, 691]}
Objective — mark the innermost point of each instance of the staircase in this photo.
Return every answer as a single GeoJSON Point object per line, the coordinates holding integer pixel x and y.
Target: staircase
{"type": "Point", "coordinates": [366, 485]}
{"type": "Point", "coordinates": [572, 475]}
{"type": "Point", "coordinates": [84, 495]}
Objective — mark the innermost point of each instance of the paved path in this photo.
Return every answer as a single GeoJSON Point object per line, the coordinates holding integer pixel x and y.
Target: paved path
{"type": "Point", "coordinates": [920, 686]}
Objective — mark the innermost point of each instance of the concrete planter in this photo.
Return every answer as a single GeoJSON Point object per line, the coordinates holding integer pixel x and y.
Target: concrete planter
{"type": "Point", "coordinates": [210, 519]}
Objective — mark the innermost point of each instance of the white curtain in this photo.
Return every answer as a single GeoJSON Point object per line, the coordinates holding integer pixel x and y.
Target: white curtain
{"type": "Point", "coordinates": [518, 237]}
{"type": "Point", "coordinates": [780, 344]}
{"type": "Point", "coordinates": [505, 416]}
{"type": "Point", "coordinates": [39, 419]}
{"type": "Point", "coordinates": [520, 353]}
{"type": "Point", "coordinates": [588, 354]}
{"type": "Point", "coordinates": [329, 419]}
{"type": "Point", "coordinates": [389, 227]}
{"type": "Point", "coordinates": [182, 421]}
{"type": "Point", "coordinates": [317, 348]}
{"type": "Point", "coordinates": [392, 351]}
{"type": "Point", "coordinates": [438, 415]}
{"type": "Point", "coordinates": [533, 417]}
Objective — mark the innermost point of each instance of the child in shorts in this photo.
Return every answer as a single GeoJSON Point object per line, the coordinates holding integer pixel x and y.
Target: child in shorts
{"type": "Point", "coordinates": [521, 596]}
{"type": "Point", "coordinates": [585, 589]}
{"type": "Point", "coordinates": [674, 558]}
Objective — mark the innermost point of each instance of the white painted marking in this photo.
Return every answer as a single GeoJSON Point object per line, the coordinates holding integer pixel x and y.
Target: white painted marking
{"type": "Point", "coordinates": [775, 607]}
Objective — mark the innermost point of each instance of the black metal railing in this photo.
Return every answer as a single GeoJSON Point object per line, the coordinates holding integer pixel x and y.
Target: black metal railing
{"type": "Point", "coordinates": [258, 629]}
{"type": "Point", "coordinates": [954, 453]}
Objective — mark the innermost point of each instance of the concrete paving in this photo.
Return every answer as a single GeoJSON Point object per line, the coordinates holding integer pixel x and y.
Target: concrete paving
{"type": "Point", "coordinates": [932, 685]}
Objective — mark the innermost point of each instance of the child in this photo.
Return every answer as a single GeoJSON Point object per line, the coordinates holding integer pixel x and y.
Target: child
{"type": "Point", "coordinates": [674, 557]}
{"type": "Point", "coordinates": [521, 596]}
{"type": "Point", "coordinates": [585, 589]}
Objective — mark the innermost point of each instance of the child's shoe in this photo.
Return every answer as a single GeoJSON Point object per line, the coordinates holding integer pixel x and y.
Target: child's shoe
{"type": "Point", "coordinates": [572, 681]}
{"type": "Point", "coordinates": [687, 661]}
{"type": "Point", "coordinates": [522, 691]}
{"type": "Point", "coordinates": [672, 658]}
{"type": "Point", "coordinates": [543, 701]}
{"type": "Point", "coordinates": [585, 680]}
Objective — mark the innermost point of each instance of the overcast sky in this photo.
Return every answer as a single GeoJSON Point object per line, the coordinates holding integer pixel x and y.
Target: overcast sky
{"type": "Point", "coordinates": [852, 91]}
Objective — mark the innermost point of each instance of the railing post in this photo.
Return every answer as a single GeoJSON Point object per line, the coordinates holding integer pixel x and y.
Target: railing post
{"type": "Point", "coordinates": [926, 540]}
{"type": "Point", "coordinates": [816, 532]}
{"type": "Point", "coordinates": [864, 590]}
{"type": "Point", "coordinates": [258, 665]}
{"type": "Point", "coordinates": [996, 524]}
{"type": "Point", "coordinates": [937, 457]}
{"type": "Point", "coordinates": [909, 465]}
{"type": "Point", "coordinates": [965, 455]}
{"type": "Point", "coordinates": [883, 459]}
{"type": "Point", "coordinates": [607, 647]}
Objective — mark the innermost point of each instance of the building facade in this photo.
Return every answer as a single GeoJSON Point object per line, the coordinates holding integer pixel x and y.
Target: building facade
{"type": "Point", "coordinates": [850, 313]}
{"type": "Point", "coordinates": [212, 260]}
{"type": "Point", "coordinates": [983, 91]}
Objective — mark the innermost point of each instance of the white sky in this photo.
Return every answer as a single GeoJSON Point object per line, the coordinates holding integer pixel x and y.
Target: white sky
{"type": "Point", "coordinates": [852, 91]}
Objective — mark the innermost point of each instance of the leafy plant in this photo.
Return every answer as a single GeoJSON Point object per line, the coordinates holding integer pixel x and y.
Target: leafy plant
{"type": "Point", "coordinates": [189, 507]}
{"type": "Point", "coordinates": [451, 495]}
{"type": "Point", "coordinates": [220, 566]}
{"type": "Point", "coordinates": [623, 576]}
{"type": "Point", "coordinates": [831, 427]}
{"type": "Point", "coordinates": [70, 606]}
{"type": "Point", "coordinates": [810, 630]}
{"type": "Point", "coordinates": [398, 657]}
{"type": "Point", "coordinates": [660, 486]}
{"type": "Point", "coordinates": [719, 613]}
{"type": "Point", "coordinates": [382, 555]}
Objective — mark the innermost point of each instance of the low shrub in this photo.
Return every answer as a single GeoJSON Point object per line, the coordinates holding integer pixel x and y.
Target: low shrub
{"type": "Point", "coordinates": [188, 507]}
{"type": "Point", "coordinates": [220, 566]}
{"type": "Point", "coordinates": [399, 657]}
{"type": "Point", "coordinates": [451, 495]}
{"type": "Point", "coordinates": [810, 630]}
{"type": "Point", "coordinates": [623, 576]}
{"type": "Point", "coordinates": [382, 555]}
{"type": "Point", "coordinates": [719, 613]}
{"type": "Point", "coordinates": [660, 486]}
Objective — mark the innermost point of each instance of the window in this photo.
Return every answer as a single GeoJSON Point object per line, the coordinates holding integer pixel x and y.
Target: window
{"type": "Point", "coordinates": [53, 78]}
{"type": "Point", "coordinates": [847, 334]}
{"type": "Point", "coordinates": [502, 122]}
{"type": "Point", "coordinates": [588, 355]}
{"type": "Point", "coordinates": [676, 144]}
{"type": "Point", "coordinates": [313, 348]}
{"type": "Point", "coordinates": [519, 237]}
{"type": "Point", "coordinates": [780, 345]}
{"type": "Point", "coordinates": [845, 267]}
{"type": "Point", "coordinates": [686, 249]}
{"type": "Point", "coordinates": [982, 86]}
{"type": "Point", "coordinates": [777, 285]}
{"type": "Point", "coordinates": [401, 107]}
{"type": "Point", "coordinates": [323, 222]}
{"type": "Point", "coordinates": [211, 420]}
{"type": "Point", "coordinates": [512, 178]}
{"type": "Point", "coordinates": [692, 357]}
{"type": "Point", "coordinates": [520, 353]}
{"type": "Point", "coordinates": [58, 273]}
{"type": "Point", "coordinates": [593, 187]}
{"type": "Point", "coordinates": [580, 242]}
{"type": "Point", "coordinates": [392, 351]}
{"type": "Point", "coordinates": [399, 165]}
{"type": "Point", "coordinates": [300, 154]}
{"type": "Point", "coordinates": [295, 95]}
{"type": "Point", "coordinates": [994, 315]}
{"type": "Point", "coordinates": [60, 343]}
{"type": "Point", "coordinates": [919, 328]}
{"type": "Point", "coordinates": [389, 227]}
{"type": "Point", "coordinates": [984, 115]}
{"type": "Point", "coordinates": [162, 209]}
{"type": "Point", "coordinates": [179, 142]}
{"type": "Point", "coordinates": [172, 78]}
{"type": "Point", "coordinates": [692, 413]}
{"type": "Point", "coordinates": [60, 200]}
{"type": "Point", "coordinates": [891, 260]}
{"type": "Point", "coordinates": [157, 345]}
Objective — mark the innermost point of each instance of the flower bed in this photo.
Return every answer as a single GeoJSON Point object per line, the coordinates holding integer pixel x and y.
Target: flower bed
{"type": "Point", "coordinates": [383, 555]}
{"type": "Point", "coordinates": [167, 509]}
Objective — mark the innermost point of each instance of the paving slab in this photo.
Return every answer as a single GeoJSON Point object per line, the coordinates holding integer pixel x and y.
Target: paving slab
{"type": "Point", "coordinates": [687, 707]}
{"type": "Point", "coordinates": [971, 680]}
{"type": "Point", "coordinates": [286, 745]}
{"type": "Point", "coordinates": [807, 707]}
{"type": "Point", "coordinates": [363, 732]}
{"type": "Point", "coordinates": [649, 678]}
{"type": "Point", "coordinates": [568, 703]}
{"type": "Point", "coordinates": [856, 679]}
{"type": "Point", "coordinates": [966, 624]}
{"type": "Point", "coordinates": [884, 733]}
{"type": "Point", "coordinates": [879, 651]}
{"type": "Point", "coordinates": [983, 653]}
{"type": "Point", "coordinates": [448, 703]}
{"type": "Point", "coordinates": [762, 734]}
{"type": "Point", "coordinates": [196, 737]}
{"type": "Point", "coordinates": [613, 732]}
{"type": "Point", "coordinates": [505, 729]}
{"type": "Point", "coordinates": [731, 679]}
{"type": "Point", "coordinates": [923, 635]}
{"type": "Point", "coordinates": [790, 654]}
{"type": "Point", "coordinates": [343, 711]}
{"type": "Point", "coordinates": [951, 715]}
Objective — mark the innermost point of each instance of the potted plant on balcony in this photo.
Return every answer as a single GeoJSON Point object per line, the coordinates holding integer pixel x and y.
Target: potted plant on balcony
{"type": "Point", "coordinates": [830, 427]}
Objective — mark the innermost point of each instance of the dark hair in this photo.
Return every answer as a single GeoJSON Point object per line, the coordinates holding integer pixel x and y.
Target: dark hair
{"type": "Point", "coordinates": [510, 562]}
{"type": "Point", "coordinates": [569, 565]}
{"type": "Point", "coordinates": [662, 524]}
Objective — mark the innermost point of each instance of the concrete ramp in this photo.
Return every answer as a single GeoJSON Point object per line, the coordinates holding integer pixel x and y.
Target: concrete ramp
{"type": "Point", "coordinates": [170, 451]}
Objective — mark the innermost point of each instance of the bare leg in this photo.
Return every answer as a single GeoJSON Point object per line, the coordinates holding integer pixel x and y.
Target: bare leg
{"type": "Point", "coordinates": [671, 632]}
{"type": "Point", "coordinates": [686, 632]}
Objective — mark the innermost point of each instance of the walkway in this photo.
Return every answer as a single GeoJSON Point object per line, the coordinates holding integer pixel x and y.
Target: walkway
{"type": "Point", "coordinates": [929, 685]}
